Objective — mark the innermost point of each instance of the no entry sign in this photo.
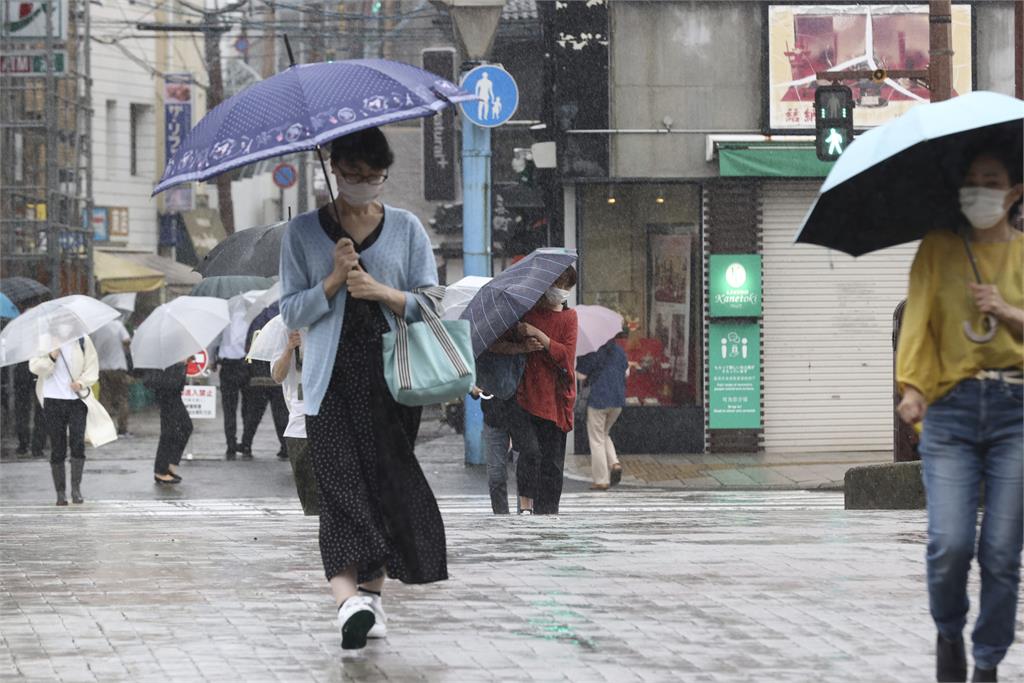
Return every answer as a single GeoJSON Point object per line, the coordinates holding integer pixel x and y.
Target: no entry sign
{"type": "Point", "coordinates": [285, 175]}
{"type": "Point", "coordinates": [197, 364]}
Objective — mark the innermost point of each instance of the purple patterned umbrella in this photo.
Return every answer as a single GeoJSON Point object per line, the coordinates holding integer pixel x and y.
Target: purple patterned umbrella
{"type": "Point", "coordinates": [302, 108]}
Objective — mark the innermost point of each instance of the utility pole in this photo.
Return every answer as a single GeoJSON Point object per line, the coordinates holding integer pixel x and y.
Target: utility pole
{"type": "Point", "coordinates": [212, 28]}
{"type": "Point", "coordinates": [940, 64]}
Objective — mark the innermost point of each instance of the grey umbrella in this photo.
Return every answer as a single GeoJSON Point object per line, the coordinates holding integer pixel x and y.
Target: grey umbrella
{"type": "Point", "coordinates": [503, 301]}
{"type": "Point", "coordinates": [254, 251]}
{"type": "Point", "coordinates": [227, 286]}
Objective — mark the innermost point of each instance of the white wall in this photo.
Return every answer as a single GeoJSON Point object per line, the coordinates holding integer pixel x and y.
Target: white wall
{"type": "Point", "coordinates": [118, 78]}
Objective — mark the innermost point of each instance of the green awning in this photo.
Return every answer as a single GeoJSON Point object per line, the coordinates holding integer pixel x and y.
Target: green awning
{"type": "Point", "coordinates": [770, 160]}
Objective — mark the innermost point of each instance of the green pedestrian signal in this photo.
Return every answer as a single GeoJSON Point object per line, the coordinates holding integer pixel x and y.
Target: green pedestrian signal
{"type": "Point", "coordinates": [833, 120]}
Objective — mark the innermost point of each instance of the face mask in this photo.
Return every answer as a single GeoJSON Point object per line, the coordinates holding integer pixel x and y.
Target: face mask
{"type": "Point", "coordinates": [556, 296]}
{"type": "Point", "coordinates": [359, 194]}
{"type": "Point", "coordinates": [982, 206]}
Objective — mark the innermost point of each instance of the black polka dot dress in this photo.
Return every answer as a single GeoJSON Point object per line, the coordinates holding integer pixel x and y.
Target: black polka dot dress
{"type": "Point", "coordinates": [376, 509]}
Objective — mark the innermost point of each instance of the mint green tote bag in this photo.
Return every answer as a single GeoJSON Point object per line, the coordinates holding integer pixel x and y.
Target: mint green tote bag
{"type": "Point", "coordinates": [431, 361]}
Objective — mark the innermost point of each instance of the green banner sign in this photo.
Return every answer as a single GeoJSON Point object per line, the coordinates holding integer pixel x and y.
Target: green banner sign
{"type": "Point", "coordinates": [734, 286]}
{"type": "Point", "coordinates": [734, 365]}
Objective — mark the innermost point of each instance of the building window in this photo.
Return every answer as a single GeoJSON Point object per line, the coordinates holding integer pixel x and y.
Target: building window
{"type": "Point", "coordinates": [110, 135]}
{"type": "Point", "coordinates": [141, 137]}
{"type": "Point", "coordinates": [643, 260]}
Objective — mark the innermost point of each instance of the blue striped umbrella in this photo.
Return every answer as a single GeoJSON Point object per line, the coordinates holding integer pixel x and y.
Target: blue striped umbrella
{"type": "Point", "coordinates": [503, 301]}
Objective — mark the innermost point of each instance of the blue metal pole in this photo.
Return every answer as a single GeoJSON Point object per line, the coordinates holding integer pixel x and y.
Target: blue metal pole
{"type": "Point", "coordinates": [476, 247]}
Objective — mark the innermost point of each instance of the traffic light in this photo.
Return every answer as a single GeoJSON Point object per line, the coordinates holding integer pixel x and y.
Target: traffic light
{"type": "Point", "coordinates": [833, 120]}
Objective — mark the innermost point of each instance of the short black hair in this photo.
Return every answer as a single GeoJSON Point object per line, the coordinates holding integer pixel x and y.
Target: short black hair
{"type": "Point", "coordinates": [1006, 155]}
{"type": "Point", "coordinates": [369, 146]}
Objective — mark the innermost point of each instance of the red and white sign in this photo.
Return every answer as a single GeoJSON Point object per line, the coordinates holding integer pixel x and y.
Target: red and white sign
{"type": "Point", "coordinates": [197, 364]}
{"type": "Point", "coordinates": [200, 401]}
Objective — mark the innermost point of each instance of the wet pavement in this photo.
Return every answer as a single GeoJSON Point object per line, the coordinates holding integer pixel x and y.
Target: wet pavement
{"type": "Point", "coordinates": [637, 586]}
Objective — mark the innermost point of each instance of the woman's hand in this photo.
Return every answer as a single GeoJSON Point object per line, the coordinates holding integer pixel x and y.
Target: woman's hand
{"type": "Point", "coordinates": [530, 332]}
{"type": "Point", "coordinates": [912, 407]}
{"type": "Point", "coordinates": [76, 386]}
{"type": "Point", "coordinates": [532, 344]}
{"type": "Point", "coordinates": [294, 340]}
{"type": "Point", "coordinates": [988, 299]}
{"type": "Point", "coordinates": [345, 259]}
{"type": "Point", "coordinates": [361, 285]}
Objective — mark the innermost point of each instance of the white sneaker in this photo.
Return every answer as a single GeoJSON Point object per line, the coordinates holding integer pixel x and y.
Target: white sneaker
{"type": "Point", "coordinates": [355, 619]}
{"type": "Point", "coordinates": [380, 625]}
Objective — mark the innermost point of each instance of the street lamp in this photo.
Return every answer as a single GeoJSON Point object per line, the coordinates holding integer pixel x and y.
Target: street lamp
{"type": "Point", "coordinates": [476, 23]}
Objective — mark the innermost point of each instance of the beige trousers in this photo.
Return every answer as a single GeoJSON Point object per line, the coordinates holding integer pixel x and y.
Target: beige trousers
{"type": "Point", "coordinates": [602, 450]}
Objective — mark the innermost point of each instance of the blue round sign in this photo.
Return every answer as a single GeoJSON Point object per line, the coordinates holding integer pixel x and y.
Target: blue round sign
{"type": "Point", "coordinates": [498, 93]}
{"type": "Point", "coordinates": [285, 175]}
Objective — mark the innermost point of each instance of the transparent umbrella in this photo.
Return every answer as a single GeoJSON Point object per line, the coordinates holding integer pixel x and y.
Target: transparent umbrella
{"type": "Point", "coordinates": [458, 295]}
{"type": "Point", "coordinates": [178, 329]}
{"type": "Point", "coordinates": [597, 325]}
{"type": "Point", "coordinates": [270, 342]}
{"type": "Point", "coordinates": [47, 326]}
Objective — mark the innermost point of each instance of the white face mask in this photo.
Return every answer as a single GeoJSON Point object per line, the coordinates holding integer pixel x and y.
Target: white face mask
{"type": "Point", "coordinates": [983, 206]}
{"type": "Point", "coordinates": [359, 194]}
{"type": "Point", "coordinates": [556, 296]}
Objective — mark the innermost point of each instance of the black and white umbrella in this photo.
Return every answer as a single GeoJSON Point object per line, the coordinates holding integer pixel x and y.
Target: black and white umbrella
{"type": "Point", "coordinates": [502, 302]}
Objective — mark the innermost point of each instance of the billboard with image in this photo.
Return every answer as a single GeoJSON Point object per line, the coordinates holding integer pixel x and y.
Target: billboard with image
{"type": "Point", "coordinates": [804, 39]}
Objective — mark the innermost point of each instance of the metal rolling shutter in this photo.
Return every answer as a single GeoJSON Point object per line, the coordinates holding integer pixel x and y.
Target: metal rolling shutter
{"type": "Point", "coordinates": [827, 335]}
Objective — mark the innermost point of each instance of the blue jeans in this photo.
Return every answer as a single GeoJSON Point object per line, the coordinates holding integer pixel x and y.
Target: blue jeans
{"type": "Point", "coordinates": [974, 434]}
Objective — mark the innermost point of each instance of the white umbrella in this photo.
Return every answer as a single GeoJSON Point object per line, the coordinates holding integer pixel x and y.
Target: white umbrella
{"type": "Point", "coordinates": [122, 302]}
{"type": "Point", "coordinates": [255, 300]}
{"type": "Point", "coordinates": [597, 325]}
{"type": "Point", "coordinates": [458, 295]}
{"type": "Point", "coordinates": [270, 341]}
{"type": "Point", "coordinates": [47, 326]}
{"type": "Point", "coordinates": [176, 330]}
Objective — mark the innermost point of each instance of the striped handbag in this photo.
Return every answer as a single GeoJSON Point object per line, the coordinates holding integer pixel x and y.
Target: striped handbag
{"type": "Point", "coordinates": [431, 361]}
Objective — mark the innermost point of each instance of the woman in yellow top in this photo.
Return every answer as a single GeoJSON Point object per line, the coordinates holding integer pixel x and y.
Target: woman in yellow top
{"type": "Point", "coordinates": [968, 392]}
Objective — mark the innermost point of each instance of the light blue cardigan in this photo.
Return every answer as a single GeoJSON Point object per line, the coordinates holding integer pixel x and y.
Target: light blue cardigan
{"type": "Point", "coordinates": [401, 258]}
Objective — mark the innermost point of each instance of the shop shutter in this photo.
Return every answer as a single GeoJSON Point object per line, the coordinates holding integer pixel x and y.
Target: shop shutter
{"type": "Point", "coordinates": [827, 335]}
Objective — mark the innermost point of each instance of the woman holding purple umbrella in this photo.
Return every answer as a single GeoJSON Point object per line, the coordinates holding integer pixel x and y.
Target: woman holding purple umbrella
{"type": "Point", "coordinates": [347, 271]}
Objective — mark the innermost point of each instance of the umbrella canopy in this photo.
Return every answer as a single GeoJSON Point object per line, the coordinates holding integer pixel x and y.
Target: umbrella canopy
{"type": "Point", "coordinates": [458, 295]}
{"type": "Point", "coordinates": [503, 301]}
{"type": "Point", "coordinates": [176, 330]}
{"type": "Point", "coordinates": [270, 342]}
{"type": "Point", "coordinates": [123, 302]}
{"type": "Point", "coordinates": [254, 251]}
{"type": "Point", "coordinates": [303, 107]}
{"type": "Point", "coordinates": [255, 301]}
{"type": "Point", "coordinates": [597, 325]}
{"type": "Point", "coordinates": [898, 181]}
{"type": "Point", "coordinates": [227, 286]}
{"type": "Point", "coordinates": [45, 327]}
{"type": "Point", "coordinates": [7, 308]}
{"type": "Point", "coordinates": [22, 289]}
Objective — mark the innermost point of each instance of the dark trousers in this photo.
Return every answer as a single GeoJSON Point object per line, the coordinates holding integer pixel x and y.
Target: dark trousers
{"type": "Point", "coordinates": [541, 446]}
{"type": "Point", "coordinates": [175, 429]}
{"type": "Point", "coordinates": [305, 480]}
{"type": "Point", "coordinates": [234, 379]}
{"type": "Point", "coordinates": [28, 414]}
{"type": "Point", "coordinates": [254, 407]}
{"type": "Point", "coordinates": [114, 396]}
{"type": "Point", "coordinates": [66, 421]}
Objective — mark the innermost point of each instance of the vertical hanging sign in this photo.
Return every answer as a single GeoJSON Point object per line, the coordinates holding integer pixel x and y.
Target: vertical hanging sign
{"type": "Point", "coordinates": [439, 135]}
{"type": "Point", "coordinates": [177, 124]}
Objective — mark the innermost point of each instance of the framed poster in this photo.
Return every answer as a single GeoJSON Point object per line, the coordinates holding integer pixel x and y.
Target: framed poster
{"type": "Point", "coordinates": [669, 258]}
{"type": "Point", "coordinates": [807, 38]}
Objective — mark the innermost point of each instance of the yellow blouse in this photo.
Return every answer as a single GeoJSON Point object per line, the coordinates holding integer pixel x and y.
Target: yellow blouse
{"type": "Point", "coordinates": [934, 354]}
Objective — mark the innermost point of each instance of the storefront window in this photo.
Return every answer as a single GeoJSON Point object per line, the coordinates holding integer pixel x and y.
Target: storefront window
{"type": "Point", "coordinates": [641, 256]}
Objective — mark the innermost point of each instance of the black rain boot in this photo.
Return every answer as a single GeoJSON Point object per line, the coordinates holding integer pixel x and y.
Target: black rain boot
{"type": "Point", "coordinates": [950, 660]}
{"type": "Point", "coordinates": [59, 481]}
{"type": "Point", "coordinates": [985, 675]}
{"type": "Point", "coordinates": [77, 466]}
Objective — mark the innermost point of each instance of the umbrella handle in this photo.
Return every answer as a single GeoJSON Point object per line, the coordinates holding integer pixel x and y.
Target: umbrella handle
{"type": "Point", "coordinates": [991, 327]}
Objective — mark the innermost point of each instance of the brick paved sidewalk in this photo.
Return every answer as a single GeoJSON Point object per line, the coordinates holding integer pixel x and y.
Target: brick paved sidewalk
{"type": "Point", "coordinates": [682, 586]}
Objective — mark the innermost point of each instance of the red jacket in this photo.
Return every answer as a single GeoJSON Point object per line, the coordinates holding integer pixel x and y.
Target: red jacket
{"type": "Point", "coordinates": [548, 387]}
